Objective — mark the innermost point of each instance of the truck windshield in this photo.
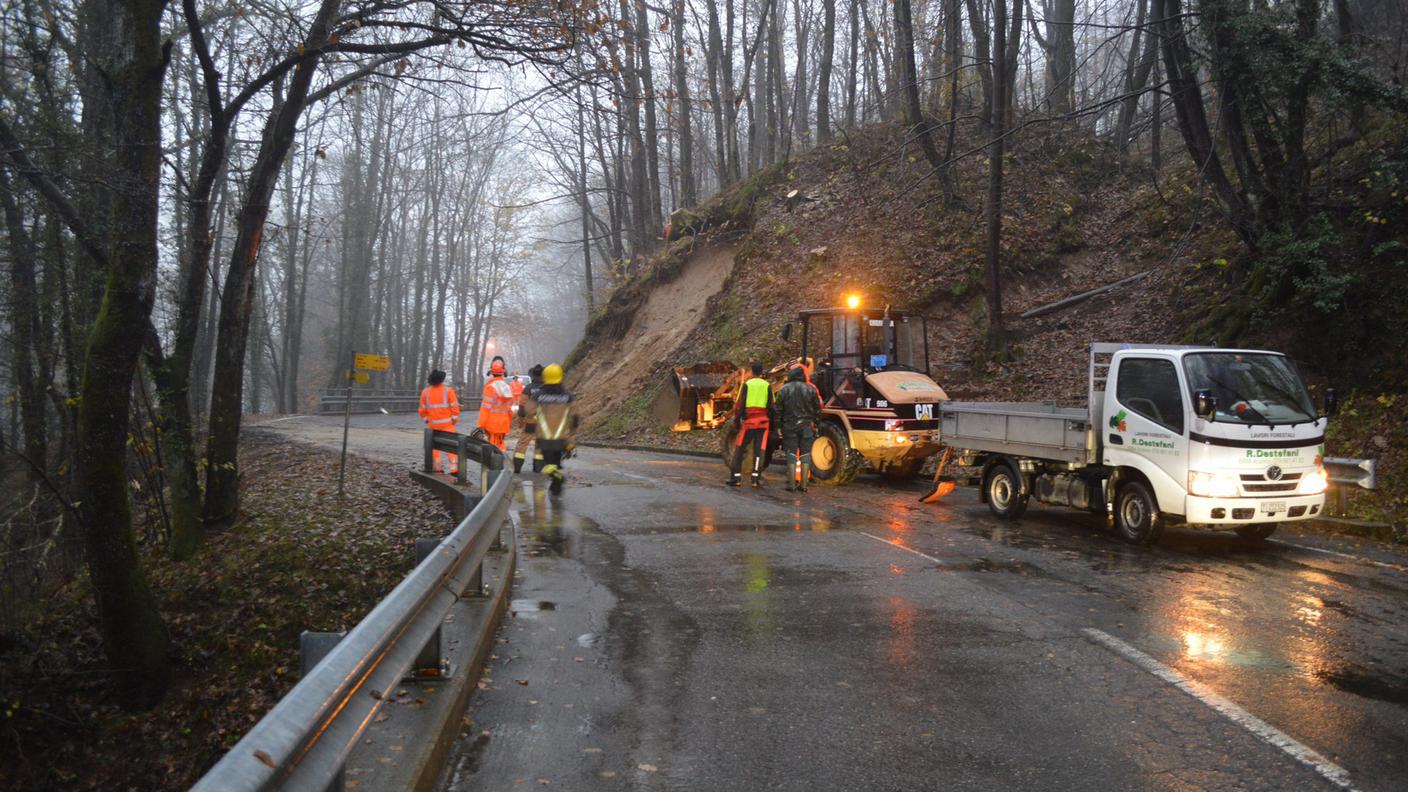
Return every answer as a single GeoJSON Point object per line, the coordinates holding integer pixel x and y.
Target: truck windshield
{"type": "Point", "coordinates": [1250, 388]}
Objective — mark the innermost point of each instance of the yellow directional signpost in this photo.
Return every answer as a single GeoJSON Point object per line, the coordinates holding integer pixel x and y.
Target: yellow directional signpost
{"type": "Point", "coordinates": [371, 362]}
{"type": "Point", "coordinates": [361, 364]}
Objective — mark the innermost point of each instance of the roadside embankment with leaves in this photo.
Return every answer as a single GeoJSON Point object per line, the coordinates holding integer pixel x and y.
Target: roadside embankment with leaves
{"type": "Point", "coordinates": [299, 559]}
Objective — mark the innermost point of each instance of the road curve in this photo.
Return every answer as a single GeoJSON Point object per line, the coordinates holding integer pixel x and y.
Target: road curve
{"type": "Point", "coordinates": [670, 633]}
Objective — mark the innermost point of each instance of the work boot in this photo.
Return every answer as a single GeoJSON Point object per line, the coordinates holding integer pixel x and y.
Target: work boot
{"type": "Point", "coordinates": [557, 478]}
{"type": "Point", "coordinates": [733, 481]}
{"type": "Point", "coordinates": [757, 482]}
{"type": "Point", "coordinates": [518, 464]}
{"type": "Point", "coordinates": [806, 476]}
{"type": "Point", "coordinates": [792, 486]}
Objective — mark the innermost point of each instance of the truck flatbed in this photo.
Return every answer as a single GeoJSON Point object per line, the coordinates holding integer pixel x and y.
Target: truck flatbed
{"type": "Point", "coordinates": [1043, 430]}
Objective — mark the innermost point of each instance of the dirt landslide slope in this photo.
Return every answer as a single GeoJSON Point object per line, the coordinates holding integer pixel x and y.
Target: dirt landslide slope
{"type": "Point", "coordinates": [867, 216]}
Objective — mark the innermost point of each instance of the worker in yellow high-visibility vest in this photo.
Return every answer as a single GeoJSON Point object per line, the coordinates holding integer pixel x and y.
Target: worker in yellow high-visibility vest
{"type": "Point", "coordinates": [752, 419]}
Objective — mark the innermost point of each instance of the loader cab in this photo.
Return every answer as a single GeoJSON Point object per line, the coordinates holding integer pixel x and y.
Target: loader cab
{"type": "Point", "coordinates": [849, 343]}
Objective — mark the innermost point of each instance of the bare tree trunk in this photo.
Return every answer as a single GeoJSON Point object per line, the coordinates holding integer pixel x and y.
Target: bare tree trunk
{"type": "Point", "coordinates": [823, 91]}
{"type": "Point", "coordinates": [222, 474]}
{"type": "Point", "coordinates": [689, 194]}
{"type": "Point", "coordinates": [128, 49]}
{"type": "Point", "coordinates": [1187, 98]}
{"type": "Point", "coordinates": [24, 321]}
{"type": "Point", "coordinates": [714, 65]}
{"type": "Point", "coordinates": [652, 146]}
{"type": "Point", "coordinates": [1005, 49]}
{"type": "Point", "coordinates": [982, 50]}
{"type": "Point", "coordinates": [1059, 47]}
{"type": "Point", "coordinates": [1136, 76]}
{"type": "Point", "coordinates": [853, 76]}
{"type": "Point", "coordinates": [909, 82]}
{"type": "Point", "coordinates": [801, 85]}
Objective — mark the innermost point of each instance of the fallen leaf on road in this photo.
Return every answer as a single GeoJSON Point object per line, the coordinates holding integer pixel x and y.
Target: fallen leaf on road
{"type": "Point", "coordinates": [649, 768]}
{"type": "Point", "coordinates": [265, 758]}
{"type": "Point", "coordinates": [523, 682]}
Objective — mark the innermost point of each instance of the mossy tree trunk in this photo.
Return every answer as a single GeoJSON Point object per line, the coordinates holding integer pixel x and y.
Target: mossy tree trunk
{"type": "Point", "coordinates": [133, 58]}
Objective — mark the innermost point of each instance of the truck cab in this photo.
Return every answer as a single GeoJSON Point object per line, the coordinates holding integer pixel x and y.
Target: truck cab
{"type": "Point", "coordinates": [1228, 438]}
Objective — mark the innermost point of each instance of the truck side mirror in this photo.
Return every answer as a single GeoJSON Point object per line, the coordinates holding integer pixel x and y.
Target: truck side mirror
{"type": "Point", "coordinates": [1205, 405]}
{"type": "Point", "coordinates": [787, 332]}
{"type": "Point", "coordinates": [1332, 402]}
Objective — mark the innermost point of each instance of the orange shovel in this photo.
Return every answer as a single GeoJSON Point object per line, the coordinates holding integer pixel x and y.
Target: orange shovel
{"type": "Point", "coordinates": [943, 485]}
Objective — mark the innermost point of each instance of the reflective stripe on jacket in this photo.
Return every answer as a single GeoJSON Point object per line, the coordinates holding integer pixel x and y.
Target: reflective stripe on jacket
{"type": "Point", "coordinates": [496, 411]}
{"type": "Point", "coordinates": [439, 406]}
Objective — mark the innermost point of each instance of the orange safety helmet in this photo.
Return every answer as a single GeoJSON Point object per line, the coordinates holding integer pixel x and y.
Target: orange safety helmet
{"type": "Point", "coordinates": [497, 367]}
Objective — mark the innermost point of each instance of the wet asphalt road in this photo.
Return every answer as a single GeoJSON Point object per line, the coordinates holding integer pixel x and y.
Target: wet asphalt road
{"type": "Point", "coordinates": [670, 633]}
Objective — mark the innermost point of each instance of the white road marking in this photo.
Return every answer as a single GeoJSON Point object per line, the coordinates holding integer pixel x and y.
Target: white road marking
{"type": "Point", "coordinates": [1268, 733]}
{"type": "Point", "coordinates": [898, 546]}
{"type": "Point", "coordinates": [1384, 564]}
{"type": "Point", "coordinates": [286, 418]}
{"type": "Point", "coordinates": [637, 476]}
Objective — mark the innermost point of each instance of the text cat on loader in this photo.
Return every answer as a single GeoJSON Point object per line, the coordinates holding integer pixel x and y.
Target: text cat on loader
{"type": "Point", "coordinates": [871, 366]}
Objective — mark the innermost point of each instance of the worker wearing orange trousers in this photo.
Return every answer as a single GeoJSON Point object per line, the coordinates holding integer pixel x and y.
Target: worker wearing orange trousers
{"type": "Point", "coordinates": [440, 409]}
{"type": "Point", "coordinates": [496, 411]}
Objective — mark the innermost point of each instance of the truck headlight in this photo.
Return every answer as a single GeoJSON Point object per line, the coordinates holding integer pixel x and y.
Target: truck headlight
{"type": "Point", "coordinates": [1313, 483]}
{"type": "Point", "coordinates": [1212, 485]}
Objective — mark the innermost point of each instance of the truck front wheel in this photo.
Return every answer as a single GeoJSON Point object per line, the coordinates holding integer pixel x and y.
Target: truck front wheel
{"type": "Point", "coordinates": [1137, 515]}
{"type": "Point", "coordinates": [1003, 489]}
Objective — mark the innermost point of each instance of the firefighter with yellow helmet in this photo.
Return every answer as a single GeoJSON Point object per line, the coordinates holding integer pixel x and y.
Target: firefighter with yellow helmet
{"type": "Point", "coordinates": [556, 422]}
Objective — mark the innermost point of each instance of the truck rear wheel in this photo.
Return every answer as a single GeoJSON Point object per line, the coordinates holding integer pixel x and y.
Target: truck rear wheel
{"type": "Point", "coordinates": [834, 462]}
{"type": "Point", "coordinates": [1256, 533]}
{"type": "Point", "coordinates": [1137, 515]}
{"type": "Point", "coordinates": [1003, 488]}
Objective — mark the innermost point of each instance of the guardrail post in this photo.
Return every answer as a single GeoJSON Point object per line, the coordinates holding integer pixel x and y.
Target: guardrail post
{"type": "Point", "coordinates": [431, 662]}
{"type": "Point", "coordinates": [463, 451]}
{"type": "Point", "coordinates": [312, 648]}
{"type": "Point", "coordinates": [429, 466]}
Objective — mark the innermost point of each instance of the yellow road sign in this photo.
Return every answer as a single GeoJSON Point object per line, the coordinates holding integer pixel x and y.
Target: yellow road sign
{"type": "Point", "coordinates": [362, 378]}
{"type": "Point", "coordinates": [372, 362]}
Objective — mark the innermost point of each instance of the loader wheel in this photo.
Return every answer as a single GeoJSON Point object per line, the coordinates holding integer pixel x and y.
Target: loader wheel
{"type": "Point", "coordinates": [834, 462]}
{"type": "Point", "coordinates": [729, 441]}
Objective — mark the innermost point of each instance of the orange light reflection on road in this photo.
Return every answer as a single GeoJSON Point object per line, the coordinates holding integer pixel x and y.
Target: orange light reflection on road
{"type": "Point", "coordinates": [896, 569]}
{"type": "Point", "coordinates": [900, 648]}
{"type": "Point", "coordinates": [899, 526]}
{"type": "Point", "coordinates": [1201, 646]}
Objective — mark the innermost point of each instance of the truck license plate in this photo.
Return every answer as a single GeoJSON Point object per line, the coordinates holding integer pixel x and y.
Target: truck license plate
{"type": "Point", "coordinates": [1271, 507]}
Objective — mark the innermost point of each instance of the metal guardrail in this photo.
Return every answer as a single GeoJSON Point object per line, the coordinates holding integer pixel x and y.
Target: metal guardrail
{"type": "Point", "coordinates": [395, 400]}
{"type": "Point", "coordinates": [1362, 473]}
{"type": "Point", "coordinates": [305, 739]}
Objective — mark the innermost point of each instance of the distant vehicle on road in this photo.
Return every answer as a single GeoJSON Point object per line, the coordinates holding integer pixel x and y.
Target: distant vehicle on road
{"type": "Point", "coordinates": [1225, 438]}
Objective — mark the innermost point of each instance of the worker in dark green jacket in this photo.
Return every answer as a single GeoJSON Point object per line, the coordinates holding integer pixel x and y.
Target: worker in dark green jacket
{"type": "Point", "coordinates": [799, 408]}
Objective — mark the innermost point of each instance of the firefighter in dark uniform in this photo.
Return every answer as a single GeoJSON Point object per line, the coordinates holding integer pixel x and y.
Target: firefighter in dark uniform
{"type": "Point", "coordinates": [752, 419]}
{"type": "Point", "coordinates": [556, 422]}
{"type": "Point", "coordinates": [527, 422]}
{"type": "Point", "coordinates": [798, 408]}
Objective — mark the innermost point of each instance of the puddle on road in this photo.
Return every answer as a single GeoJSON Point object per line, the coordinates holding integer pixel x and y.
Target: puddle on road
{"type": "Point", "coordinates": [990, 565]}
{"type": "Point", "coordinates": [1365, 684]}
{"type": "Point", "coordinates": [531, 606]}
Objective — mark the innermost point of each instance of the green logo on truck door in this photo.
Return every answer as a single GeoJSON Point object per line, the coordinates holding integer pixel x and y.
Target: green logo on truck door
{"type": "Point", "coordinates": [1117, 420]}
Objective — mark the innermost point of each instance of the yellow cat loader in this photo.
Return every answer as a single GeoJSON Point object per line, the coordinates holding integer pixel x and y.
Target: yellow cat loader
{"type": "Point", "coordinates": [871, 367]}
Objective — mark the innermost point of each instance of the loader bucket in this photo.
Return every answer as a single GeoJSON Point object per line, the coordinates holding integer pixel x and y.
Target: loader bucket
{"type": "Point", "coordinates": [697, 397]}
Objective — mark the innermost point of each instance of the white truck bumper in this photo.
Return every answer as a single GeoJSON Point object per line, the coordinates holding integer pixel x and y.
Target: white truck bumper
{"type": "Point", "coordinates": [1244, 511]}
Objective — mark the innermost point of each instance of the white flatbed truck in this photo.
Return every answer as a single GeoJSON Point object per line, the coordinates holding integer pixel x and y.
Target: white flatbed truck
{"type": "Point", "coordinates": [1223, 438]}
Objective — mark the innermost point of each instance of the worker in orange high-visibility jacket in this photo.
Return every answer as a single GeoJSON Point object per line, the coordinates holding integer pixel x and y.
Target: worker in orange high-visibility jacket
{"type": "Point", "coordinates": [440, 409]}
{"type": "Point", "coordinates": [496, 411]}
